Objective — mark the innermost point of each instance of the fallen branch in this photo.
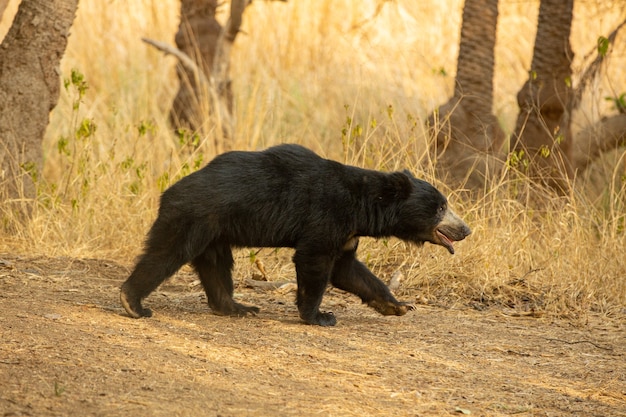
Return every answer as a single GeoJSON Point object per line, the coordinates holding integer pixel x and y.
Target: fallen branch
{"type": "Point", "coordinates": [266, 285]}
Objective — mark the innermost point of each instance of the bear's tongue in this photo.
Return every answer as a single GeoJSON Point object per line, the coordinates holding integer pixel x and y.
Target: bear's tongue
{"type": "Point", "coordinates": [446, 242]}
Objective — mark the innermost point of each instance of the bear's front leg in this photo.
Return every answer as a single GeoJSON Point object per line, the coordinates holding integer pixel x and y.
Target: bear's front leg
{"type": "Point", "coordinates": [313, 272]}
{"type": "Point", "coordinates": [351, 275]}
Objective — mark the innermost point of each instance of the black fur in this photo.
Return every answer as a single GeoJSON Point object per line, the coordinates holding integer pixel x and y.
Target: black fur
{"type": "Point", "coordinates": [287, 196]}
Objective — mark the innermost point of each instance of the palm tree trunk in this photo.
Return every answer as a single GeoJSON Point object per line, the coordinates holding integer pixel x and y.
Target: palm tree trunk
{"type": "Point", "coordinates": [465, 128]}
{"type": "Point", "coordinates": [542, 133]}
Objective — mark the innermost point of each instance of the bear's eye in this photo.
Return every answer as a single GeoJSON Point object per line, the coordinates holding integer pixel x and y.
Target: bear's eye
{"type": "Point", "coordinates": [442, 208]}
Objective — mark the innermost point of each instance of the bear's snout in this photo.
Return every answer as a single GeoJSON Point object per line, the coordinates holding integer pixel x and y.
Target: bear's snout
{"type": "Point", "coordinates": [451, 229]}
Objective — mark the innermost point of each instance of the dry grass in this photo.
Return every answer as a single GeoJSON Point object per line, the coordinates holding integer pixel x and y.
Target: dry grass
{"type": "Point", "coordinates": [355, 84]}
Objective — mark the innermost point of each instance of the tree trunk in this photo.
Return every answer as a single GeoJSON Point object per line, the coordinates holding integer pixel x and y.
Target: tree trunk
{"type": "Point", "coordinates": [29, 88]}
{"type": "Point", "coordinates": [197, 37]}
{"type": "Point", "coordinates": [203, 39]}
{"type": "Point", "coordinates": [542, 133]}
{"type": "Point", "coordinates": [466, 130]}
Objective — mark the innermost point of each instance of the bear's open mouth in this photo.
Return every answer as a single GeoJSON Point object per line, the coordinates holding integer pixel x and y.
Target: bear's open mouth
{"type": "Point", "coordinates": [445, 241]}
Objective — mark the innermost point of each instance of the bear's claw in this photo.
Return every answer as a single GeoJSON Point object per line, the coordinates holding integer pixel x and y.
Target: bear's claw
{"type": "Point", "coordinates": [133, 306]}
{"type": "Point", "coordinates": [237, 310]}
{"type": "Point", "coordinates": [388, 308]}
{"type": "Point", "coordinates": [322, 319]}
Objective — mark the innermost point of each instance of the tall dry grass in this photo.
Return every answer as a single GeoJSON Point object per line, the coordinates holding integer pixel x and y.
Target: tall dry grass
{"type": "Point", "coordinates": [354, 80]}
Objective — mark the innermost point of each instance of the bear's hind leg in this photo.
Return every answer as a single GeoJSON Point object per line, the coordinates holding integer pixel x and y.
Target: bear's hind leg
{"type": "Point", "coordinates": [148, 274]}
{"type": "Point", "coordinates": [351, 275]}
{"type": "Point", "coordinates": [214, 268]}
{"type": "Point", "coordinates": [312, 274]}
{"type": "Point", "coordinates": [163, 256]}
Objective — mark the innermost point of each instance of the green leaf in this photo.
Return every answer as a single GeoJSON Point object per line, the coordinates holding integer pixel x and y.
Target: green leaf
{"type": "Point", "coordinates": [163, 181]}
{"type": "Point", "coordinates": [127, 163]}
{"type": "Point", "coordinates": [198, 161]}
{"type": "Point", "coordinates": [78, 81]}
{"type": "Point", "coordinates": [568, 82]}
{"type": "Point", "coordinates": [86, 129]}
{"type": "Point", "coordinates": [145, 127]}
{"type": "Point", "coordinates": [603, 46]}
{"type": "Point", "coordinates": [559, 138]}
{"type": "Point", "coordinates": [63, 146]}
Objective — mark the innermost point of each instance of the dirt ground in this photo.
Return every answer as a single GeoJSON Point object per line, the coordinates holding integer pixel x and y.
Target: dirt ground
{"type": "Point", "coordinates": [67, 349]}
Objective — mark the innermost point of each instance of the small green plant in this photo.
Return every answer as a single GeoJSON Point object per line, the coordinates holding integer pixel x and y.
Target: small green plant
{"type": "Point", "coordinates": [139, 169]}
{"type": "Point", "coordinates": [145, 127]}
{"type": "Point", "coordinates": [568, 82]}
{"type": "Point", "coordinates": [603, 46]}
{"type": "Point", "coordinates": [31, 169]}
{"type": "Point", "coordinates": [252, 255]}
{"type": "Point", "coordinates": [75, 147]}
{"type": "Point", "coordinates": [63, 146]}
{"type": "Point", "coordinates": [559, 138]}
{"type": "Point", "coordinates": [76, 80]}
{"type": "Point", "coordinates": [187, 139]}
{"type": "Point", "coordinates": [163, 181]}
{"type": "Point", "coordinates": [86, 128]}
{"type": "Point", "coordinates": [517, 159]}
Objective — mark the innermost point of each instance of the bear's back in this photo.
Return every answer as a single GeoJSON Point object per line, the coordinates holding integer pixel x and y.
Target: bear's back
{"type": "Point", "coordinates": [275, 169]}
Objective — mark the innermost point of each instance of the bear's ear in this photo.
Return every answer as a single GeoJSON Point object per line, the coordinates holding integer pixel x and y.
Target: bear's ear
{"type": "Point", "coordinates": [398, 185]}
{"type": "Point", "coordinates": [408, 174]}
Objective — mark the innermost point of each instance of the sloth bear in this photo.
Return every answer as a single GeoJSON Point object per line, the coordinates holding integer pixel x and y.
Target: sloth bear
{"type": "Point", "coordinates": [287, 196]}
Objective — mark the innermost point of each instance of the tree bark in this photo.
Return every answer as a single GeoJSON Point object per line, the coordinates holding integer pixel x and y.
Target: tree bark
{"type": "Point", "coordinates": [221, 65]}
{"type": "Point", "coordinates": [29, 87]}
{"type": "Point", "coordinates": [197, 37]}
{"type": "Point", "coordinates": [467, 132]}
{"type": "Point", "coordinates": [542, 133]}
{"type": "Point", "coordinates": [201, 37]}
